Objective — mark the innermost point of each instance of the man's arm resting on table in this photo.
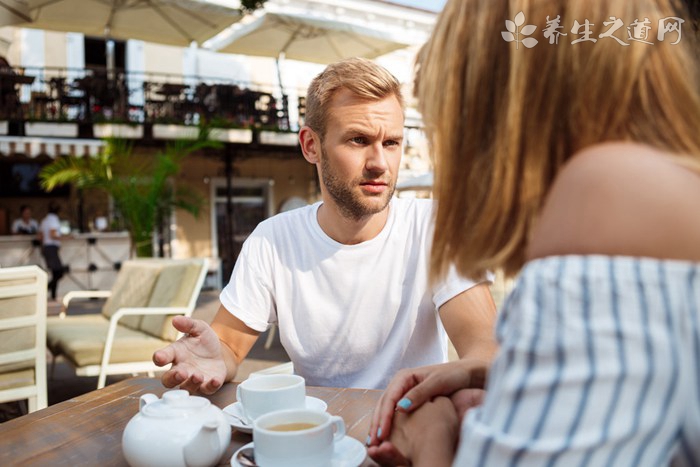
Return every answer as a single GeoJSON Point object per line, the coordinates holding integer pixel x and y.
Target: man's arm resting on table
{"type": "Point", "coordinates": [236, 340]}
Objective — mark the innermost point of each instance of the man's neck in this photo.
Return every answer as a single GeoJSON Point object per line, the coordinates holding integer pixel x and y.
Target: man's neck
{"type": "Point", "coordinates": [349, 231]}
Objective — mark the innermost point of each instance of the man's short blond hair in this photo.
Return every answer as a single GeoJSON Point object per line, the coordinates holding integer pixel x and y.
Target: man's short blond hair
{"type": "Point", "coordinates": [360, 76]}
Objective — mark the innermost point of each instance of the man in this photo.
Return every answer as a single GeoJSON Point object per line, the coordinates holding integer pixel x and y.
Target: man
{"type": "Point", "coordinates": [50, 234]}
{"type": "Point", "coordinates": [346, 278]}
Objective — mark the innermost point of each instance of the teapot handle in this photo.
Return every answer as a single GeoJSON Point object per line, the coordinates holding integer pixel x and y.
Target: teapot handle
{"type": "Point", "coordinates": [146, 399]}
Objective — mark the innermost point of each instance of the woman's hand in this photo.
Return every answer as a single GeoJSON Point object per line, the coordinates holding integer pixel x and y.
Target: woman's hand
{"type": "Point", "coordinates": [411, 388]}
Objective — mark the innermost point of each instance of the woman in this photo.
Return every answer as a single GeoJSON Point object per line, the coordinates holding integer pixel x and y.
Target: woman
{"type": "Point", "coordinates": [584, 161]}
{"type": "Point", "coordinates": [25, 224]}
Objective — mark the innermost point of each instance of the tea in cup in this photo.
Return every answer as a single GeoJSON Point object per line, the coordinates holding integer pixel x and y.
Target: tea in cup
{"type": "Point", "coordinates": [268, 393]}
{"type": "Point", "coordinates": [296, 438]}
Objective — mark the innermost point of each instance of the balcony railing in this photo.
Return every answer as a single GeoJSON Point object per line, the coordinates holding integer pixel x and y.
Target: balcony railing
{"type": "Point", "coordinates": [87, 96]}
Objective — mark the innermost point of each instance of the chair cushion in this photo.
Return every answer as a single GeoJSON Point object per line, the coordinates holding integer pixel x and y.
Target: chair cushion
{"type": "Point", "coordinates": [17, 339]}
{"type": "Point", "coordinates": [132, 289]}
{"type": "Point", "coordinates": [81, 340]}
{"type": "Point", "coordinates": [173, 288]}
{"type": "Point", "coordinates": [17, 379]}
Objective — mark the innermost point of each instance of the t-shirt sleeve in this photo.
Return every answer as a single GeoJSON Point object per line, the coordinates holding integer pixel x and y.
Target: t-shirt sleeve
{"type": "Point", "coordinates": [249, 295]}
{"type": "Point", "coordinates": [453, 285]}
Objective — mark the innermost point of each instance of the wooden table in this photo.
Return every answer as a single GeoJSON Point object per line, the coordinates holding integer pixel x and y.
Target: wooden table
{"type": "Point", "coordinates": [87, 430]}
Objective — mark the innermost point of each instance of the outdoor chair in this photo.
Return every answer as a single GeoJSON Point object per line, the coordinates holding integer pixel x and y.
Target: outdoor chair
{"type": "Point", "coordinates": [135, 321]}
{"type": "Point", "coordinates": [23, 336]}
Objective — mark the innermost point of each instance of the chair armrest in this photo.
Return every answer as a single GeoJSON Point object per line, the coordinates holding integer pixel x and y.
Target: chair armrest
{"type": "Point", "coordinates": [81, 294]}
{"type": "Point", "coordinates": [173, 310]}
{"type": "Point", "coordinates": [114, 320]}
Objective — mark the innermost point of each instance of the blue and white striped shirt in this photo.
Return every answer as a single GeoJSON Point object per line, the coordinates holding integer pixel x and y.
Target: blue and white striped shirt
{"type": "Point", "coordinates": [599, 365]}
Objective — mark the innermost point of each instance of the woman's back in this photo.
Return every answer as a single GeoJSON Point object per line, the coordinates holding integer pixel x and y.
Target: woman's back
{"type": "Point", "coordinates": [621, 199]}
{"type": "Point", "coordinates": [600, 340]}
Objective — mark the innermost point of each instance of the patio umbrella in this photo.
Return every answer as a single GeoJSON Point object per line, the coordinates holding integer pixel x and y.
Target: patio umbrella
{"type": "Point", "coordinates": [13, 12]}
{"type": "Point", "coordinates": [309, 38]}
{"type": "Point", "coordinates": [171, 22]}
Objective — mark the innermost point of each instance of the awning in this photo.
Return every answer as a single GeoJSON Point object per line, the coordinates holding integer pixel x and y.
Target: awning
{"type": "Point", "coordinates": [52, 147]}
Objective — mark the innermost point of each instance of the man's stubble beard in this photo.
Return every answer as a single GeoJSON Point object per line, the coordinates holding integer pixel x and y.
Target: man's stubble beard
{"type": "Point", "coordinates": [351, 204]}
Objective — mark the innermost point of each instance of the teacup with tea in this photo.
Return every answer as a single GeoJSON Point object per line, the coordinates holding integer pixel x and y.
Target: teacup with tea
{"type": "Point", "coordinates": [296, 438]}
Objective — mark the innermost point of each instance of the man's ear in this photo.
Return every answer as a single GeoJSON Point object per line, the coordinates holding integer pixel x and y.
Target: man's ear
{"type": "Point", "coordinates": [310, 145]}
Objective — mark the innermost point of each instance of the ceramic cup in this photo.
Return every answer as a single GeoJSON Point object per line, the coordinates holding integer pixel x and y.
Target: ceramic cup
{"type": "Point", "coordinates": [296, 438]}
{"type": "Point", "coordinates": [268, 393]}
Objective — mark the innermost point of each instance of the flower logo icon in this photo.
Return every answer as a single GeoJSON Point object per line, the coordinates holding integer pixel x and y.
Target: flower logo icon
{"type": "Point", "coordinates": [514, 32]}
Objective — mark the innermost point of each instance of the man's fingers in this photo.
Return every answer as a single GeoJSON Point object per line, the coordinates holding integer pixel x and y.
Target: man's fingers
{"type": "Point", "coordinates": [172, 378]}
{"type": "Point", "coordinates": [193, 327]}
{"type": "Point", "coordinates": [164, 356]}
{"type": "Point", "coordinates": [386, 454]}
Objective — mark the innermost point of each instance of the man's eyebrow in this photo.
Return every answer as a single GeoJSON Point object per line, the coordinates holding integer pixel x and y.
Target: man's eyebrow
{"type": "Point", "coordinates": [368, 132]}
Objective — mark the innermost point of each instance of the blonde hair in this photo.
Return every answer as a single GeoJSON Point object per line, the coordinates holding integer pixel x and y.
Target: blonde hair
{"type": "Point", "coordinates": [502, 121]}
{"type": "Point", "coordinates": [360, 76]}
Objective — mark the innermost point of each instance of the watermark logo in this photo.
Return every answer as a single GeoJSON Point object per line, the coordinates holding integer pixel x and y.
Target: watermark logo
{"type": "Point", "coordinates": [514, 31]}
{"type": "Point", "coordinates": [639, 30]}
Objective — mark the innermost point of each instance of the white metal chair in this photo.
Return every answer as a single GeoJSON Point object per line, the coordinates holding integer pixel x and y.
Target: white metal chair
{"type": "Point", "coordinates": [134, 322]}
{"type": "Point", "coordinates": [23, 336]}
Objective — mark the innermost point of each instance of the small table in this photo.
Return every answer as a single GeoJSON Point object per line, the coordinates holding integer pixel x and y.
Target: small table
{"type": "Point", "coordinates": [87, 430]}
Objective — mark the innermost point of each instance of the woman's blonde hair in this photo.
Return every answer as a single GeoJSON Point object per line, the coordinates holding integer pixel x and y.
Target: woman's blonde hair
{"type": "Point", "coordinates": [503, 120]}
{"type": "Point", "coordinates": [360, 76]}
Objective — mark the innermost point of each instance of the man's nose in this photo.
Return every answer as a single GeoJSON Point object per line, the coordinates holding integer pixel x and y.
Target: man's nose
{"type": "Point", "coordinates": [377, 159]}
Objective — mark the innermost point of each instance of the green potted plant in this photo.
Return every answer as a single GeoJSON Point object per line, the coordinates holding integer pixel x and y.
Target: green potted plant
{"type": "Point", "coordinates": [142, 187]}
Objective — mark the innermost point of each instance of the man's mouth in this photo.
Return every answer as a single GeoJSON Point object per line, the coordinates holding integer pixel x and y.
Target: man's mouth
{"type": "Point", "coordinates": [374, 186]}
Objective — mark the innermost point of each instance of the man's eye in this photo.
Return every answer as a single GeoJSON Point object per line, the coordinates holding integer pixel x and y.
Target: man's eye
{"type": "Point", "coordinates": [358, 140]}
{"type": "Point", "coordinates": [391, 143]}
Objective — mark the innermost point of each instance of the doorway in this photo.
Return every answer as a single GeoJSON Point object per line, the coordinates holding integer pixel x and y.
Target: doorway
{"type": "Point", "coordinates": [251, 202]}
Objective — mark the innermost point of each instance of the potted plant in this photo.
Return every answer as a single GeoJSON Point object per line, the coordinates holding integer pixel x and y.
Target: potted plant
{"type": "Point", "coordinates": [142, 187]}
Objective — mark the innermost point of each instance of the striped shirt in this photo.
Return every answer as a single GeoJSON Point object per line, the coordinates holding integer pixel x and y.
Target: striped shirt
{"type": "Point", "coordinates": [599, 364]}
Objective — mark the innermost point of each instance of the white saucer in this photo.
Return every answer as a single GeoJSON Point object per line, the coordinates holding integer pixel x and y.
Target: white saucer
{"type": "Point", "coordinates": [235, 415]}
{"type": "Point", "coordinates": [348, 452]}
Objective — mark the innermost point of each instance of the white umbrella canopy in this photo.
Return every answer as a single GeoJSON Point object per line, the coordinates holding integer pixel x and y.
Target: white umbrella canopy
{"type": "Point", "coordinates": [13, 12]}
{"type": "Point", "coordinates": [170, 22]}
{"type": "Point", "coordinates": [310, 39]}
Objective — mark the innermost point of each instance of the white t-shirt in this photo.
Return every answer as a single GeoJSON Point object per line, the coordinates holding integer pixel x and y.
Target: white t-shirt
{"type": "Point", "coordinates": [49, 223]}
{"type": "Point", "coordinates": [19, 226]}
{"type": "Point", "coordinates": [348, 315]}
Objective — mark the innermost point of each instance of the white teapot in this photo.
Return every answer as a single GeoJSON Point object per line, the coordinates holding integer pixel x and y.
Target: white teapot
{"type": "Point", "coordinates": [177, 430]}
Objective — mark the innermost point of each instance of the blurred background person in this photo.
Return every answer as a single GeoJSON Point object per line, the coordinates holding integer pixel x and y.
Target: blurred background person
{"type": "Point", "coordinates": [25, 224]}
{"type": "Point", "coordinates": [50, 233]}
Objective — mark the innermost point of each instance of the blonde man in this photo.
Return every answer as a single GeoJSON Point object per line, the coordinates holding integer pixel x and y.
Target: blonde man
{"type": "Point", "coordinates": [346, 279]}
{"type": "Point", "coordinates": [585, 160]}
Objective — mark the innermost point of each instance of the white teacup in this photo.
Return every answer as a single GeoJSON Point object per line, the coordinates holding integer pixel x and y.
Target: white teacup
{"type": "Point", "coordinates": [268, 393]}
{"type": "Point", "coordinates": [296, 438]}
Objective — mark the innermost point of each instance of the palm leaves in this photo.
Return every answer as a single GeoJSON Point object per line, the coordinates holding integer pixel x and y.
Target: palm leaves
{"type": "Point", "coordinates": [141, 186]}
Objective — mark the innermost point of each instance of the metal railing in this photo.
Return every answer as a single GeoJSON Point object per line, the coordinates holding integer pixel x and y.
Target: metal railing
{"type": "Point", "coordinates": [95, 95]}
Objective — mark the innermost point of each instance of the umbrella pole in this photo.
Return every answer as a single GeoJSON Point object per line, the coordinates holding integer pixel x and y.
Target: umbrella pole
{"type": "Point", "coordinates": [109, 51]}
{"type": "Point", "coordinates": [285, 109]}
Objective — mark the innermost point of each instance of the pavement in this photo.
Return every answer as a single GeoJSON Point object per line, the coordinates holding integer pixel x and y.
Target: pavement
{"type": "Point", "coordinates": [64, 385]}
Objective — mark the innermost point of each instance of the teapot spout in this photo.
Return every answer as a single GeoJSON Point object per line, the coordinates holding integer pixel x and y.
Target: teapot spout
{"type": "Point", "coordinates": [204, 449]}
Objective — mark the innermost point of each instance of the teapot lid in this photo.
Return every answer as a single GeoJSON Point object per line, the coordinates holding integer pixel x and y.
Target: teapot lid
{"type": "Point", "coordinates": [175, 403]}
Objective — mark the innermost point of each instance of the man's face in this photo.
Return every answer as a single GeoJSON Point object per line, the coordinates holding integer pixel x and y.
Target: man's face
{"type": "Point", "coordinates": [360, 153]}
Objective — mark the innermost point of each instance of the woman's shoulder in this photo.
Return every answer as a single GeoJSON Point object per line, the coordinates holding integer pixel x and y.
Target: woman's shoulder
{"type": "Point", "coordinates": [621, 199]}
